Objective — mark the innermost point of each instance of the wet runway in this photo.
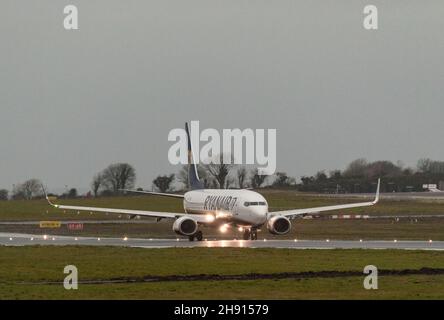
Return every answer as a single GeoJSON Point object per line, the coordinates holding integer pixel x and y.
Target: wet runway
{"type": "Point", "coordinates": [13, 239]}
{"type": "Point", "coordinates": [65, 222]}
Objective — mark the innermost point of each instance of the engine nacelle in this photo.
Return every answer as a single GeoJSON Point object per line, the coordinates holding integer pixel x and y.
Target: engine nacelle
{"type": "Point", "coordinates": [279, 225]}
{"type": "Point", "coordinates": [185, 226]}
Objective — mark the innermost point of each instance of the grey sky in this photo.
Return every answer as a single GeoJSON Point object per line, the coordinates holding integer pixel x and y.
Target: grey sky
{"type": "Point", "coordinates": [73, 102]}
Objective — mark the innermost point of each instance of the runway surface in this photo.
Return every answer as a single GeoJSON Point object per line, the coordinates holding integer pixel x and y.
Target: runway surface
{"type": "Point", "coordinates": [14, 239]}
{"type": "Point", "coordinates": [65, 222]}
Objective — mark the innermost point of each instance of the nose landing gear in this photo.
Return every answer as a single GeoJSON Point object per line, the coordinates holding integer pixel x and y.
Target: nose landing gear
{"type": "Point", "coordinates": [250, 234]}
{"type": "Point", "coordinates": [198, 236]}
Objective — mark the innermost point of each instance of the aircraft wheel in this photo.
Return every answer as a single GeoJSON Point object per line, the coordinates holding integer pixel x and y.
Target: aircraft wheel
{"type": "Point", "coordinates": [199, 235]}
{"type": "Point", "coordinates": [246, 234]}
{"type": "Point", "coordinates": [254, 235]}
{"type": "Point", "coordinates": [191, 238]}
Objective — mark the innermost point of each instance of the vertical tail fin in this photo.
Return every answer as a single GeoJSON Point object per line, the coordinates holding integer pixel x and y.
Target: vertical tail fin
{"type": "Point", "coordinates": [193, 176]}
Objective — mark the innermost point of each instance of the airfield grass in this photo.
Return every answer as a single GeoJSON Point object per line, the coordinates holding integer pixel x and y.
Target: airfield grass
{"type": "Point", "coordinates": [384, 229]}
{"type": "Point", "coordinates": [24, 269]}
{"type": "Point", "coordinates": [321, 229]}
{"type": "Point", "coordinates": [278, 200]}
{"type": "Point", "coordinates": [405, 287]}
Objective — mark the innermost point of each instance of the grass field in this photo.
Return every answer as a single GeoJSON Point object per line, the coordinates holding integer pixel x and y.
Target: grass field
{"type": "Point", "coordinates": [387, 229]}
{"type": "Point", "coordinates": [384, 229]}
{"type": "Point", "coordinates": [27, 272]}
{"type": "Point", "coordinates": [24, 271]}
{"type": "Point", "coordinates": [278, 200]}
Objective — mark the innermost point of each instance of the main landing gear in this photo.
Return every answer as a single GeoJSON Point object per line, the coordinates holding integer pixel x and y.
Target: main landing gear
{"type": "Point", "coordinates": [198, 236]}
{"type": "Point", "coordinates": [250, 234]}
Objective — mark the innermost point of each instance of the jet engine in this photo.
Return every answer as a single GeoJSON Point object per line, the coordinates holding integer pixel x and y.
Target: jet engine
{"type": "Point", "coordinates": [278, 225]}
{"type": "Point", "coordinates": [185, 226]}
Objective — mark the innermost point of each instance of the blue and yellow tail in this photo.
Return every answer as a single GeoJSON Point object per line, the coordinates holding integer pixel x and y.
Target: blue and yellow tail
{"type": "Point", "coordinates": [193, 176]}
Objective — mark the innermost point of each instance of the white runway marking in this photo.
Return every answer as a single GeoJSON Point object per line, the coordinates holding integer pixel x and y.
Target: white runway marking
{"type": "Point", "coordinates": [17, 239]}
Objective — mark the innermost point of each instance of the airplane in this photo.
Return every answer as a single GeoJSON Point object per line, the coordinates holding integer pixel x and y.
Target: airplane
{"type": "Point", "coordinates": [246, 210]}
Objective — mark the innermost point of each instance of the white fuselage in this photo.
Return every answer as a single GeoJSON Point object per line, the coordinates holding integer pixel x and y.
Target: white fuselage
{"type": "Point", "coordinates": [238, 207]}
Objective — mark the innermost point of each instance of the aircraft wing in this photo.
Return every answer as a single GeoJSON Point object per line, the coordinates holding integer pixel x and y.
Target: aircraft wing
{"type": "Point", "coordinates": [172, 195]}
{"type": "Point", "coordinates": [155, 214]}
{"type": "Point", "coordinates": [297, 212]}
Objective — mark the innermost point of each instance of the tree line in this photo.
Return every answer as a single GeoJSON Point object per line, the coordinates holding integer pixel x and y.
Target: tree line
{"type": "Point", "coordinates": [107, 182]}
{"type": "Point", "coordinates": [359, 176]}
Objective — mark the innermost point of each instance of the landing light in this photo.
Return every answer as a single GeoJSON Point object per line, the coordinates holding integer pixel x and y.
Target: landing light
{"type": "Point", "coordinates": [223, 228]}
{"type": "Point", "coordinates": [125, 239]}
{"type": "Point", "coordinates": [221, 214]}
{"type": "Point", "coordinates": [209, 218]}
{"type": "Point", "coordinates": [430, 241]}
{"type": "Point", "coordinates": [241, 229]}
{"type": "Point", "coordinates": [45, 237]}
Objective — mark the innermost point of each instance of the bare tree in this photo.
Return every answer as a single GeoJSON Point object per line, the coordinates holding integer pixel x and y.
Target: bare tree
{"type": "Point", "coordinates": [72, 193]}
{"type": "Point", "coordinates": [242, 175]}
{"type": "Point", "coordinates": [382, 169]}
{"type": "Point", "coordinates": [119, 176]}
{"type": "Point", "coordinates": [257, 179]}
{"type": "Point", "coordinates": [335, 174]}
{"type": "Point", "coordinates": [182, 176]}
{"type": "Point", "coordinates": [97, 183]}
{"type": "Point", "coordinates": [282, 180]}
{"type": "Point", "coordinates": [321, 176]}
{"type": "Point", "coordinates": [4, 194]}
{"type": "Point", "coordinates": [230, 182]}
{"type": "Point", "coordinates": [424, 165]}
{"type": "Point", "coordinates": [219, 171]}
{"type": "Point", "coordinates": [28, 189]}
{"type": "Point", "coordinates": [431, 166]}
{"type": "Point", "coordinates": [163, 183]}
{"type": "Point", "coordinates": [208, 181]}
{"type": "Point", "coordinates": [356, 168]}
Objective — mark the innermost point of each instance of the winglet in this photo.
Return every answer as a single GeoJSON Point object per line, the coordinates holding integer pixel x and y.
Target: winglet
{"type": "Point", "coordinates": [47, 198]}
{"type": "Point", "coordinates": [377, 192]}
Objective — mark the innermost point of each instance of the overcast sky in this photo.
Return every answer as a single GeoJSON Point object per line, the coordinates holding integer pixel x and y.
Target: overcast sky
{"type": "Point", "coordinates": [73, 102]}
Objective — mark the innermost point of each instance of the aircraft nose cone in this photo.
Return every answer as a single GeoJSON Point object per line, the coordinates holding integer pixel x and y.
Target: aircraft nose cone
{"type": "Point", "coordinates": [261, 214]}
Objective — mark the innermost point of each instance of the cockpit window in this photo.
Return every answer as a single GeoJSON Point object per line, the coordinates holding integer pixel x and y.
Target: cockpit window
{"type": "Point", "coordinates": [261, 203]}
